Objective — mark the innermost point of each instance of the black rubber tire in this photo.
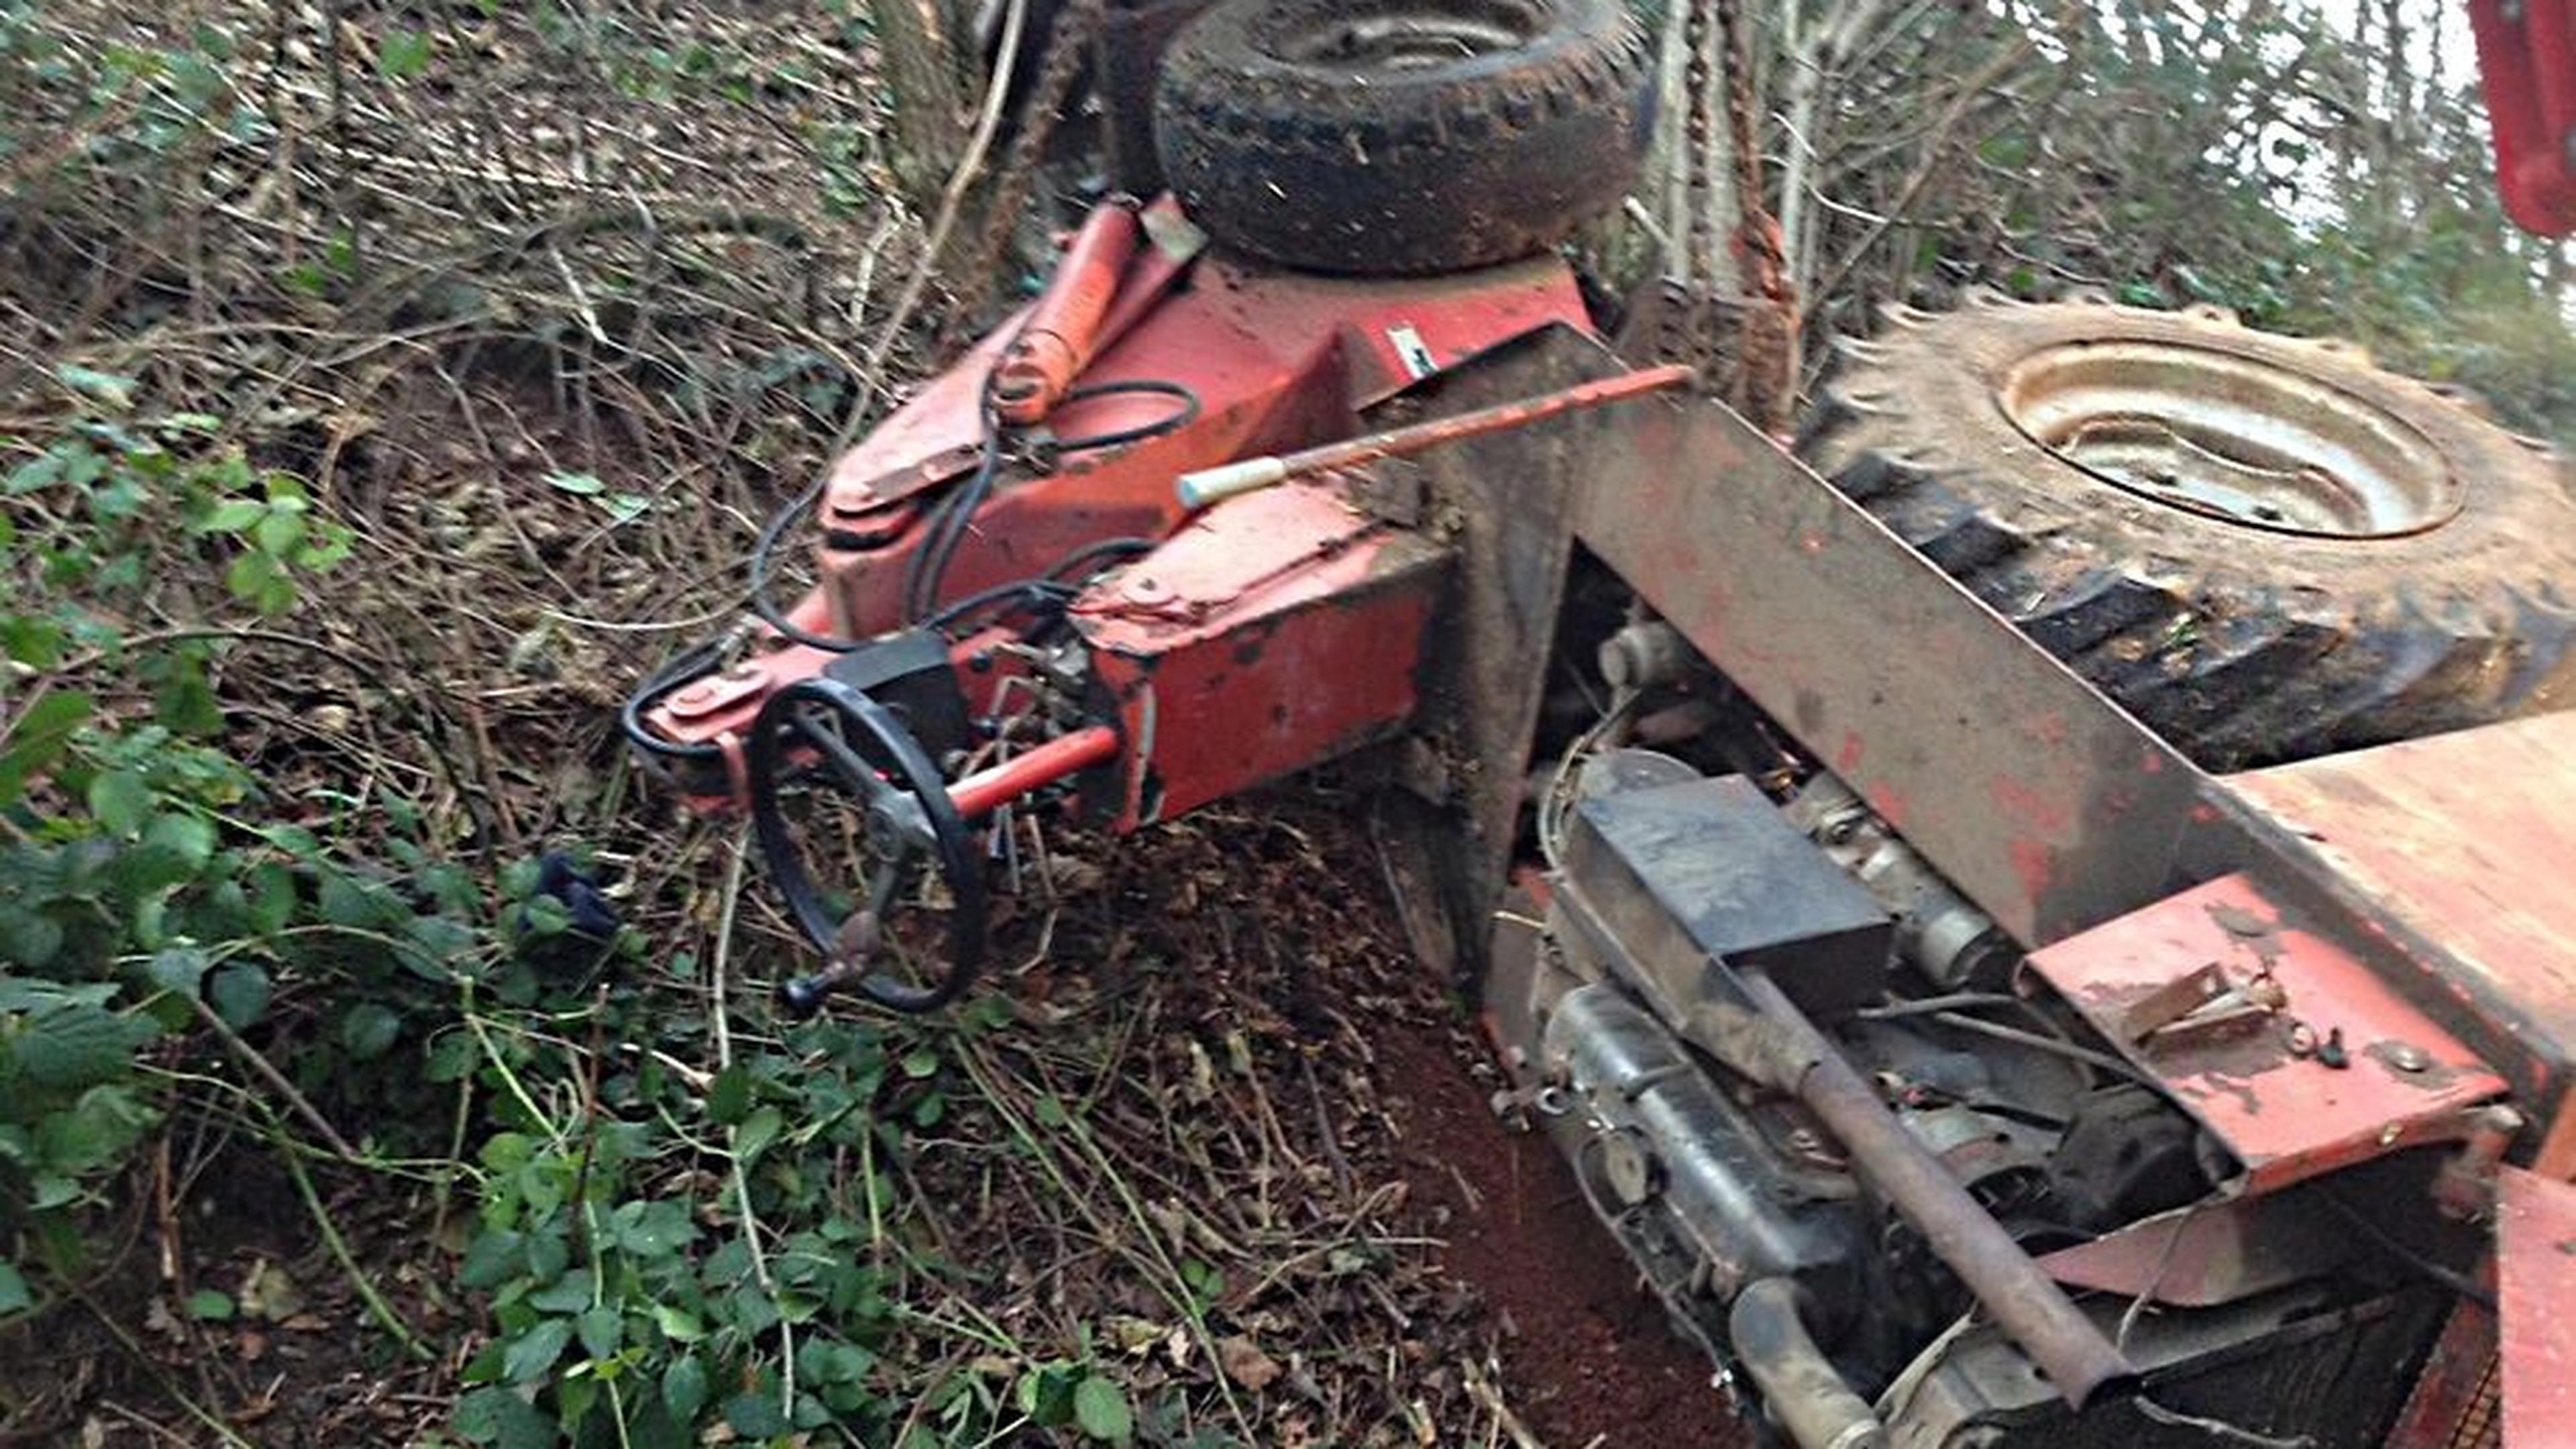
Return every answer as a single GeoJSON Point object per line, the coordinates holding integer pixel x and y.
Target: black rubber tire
{"type": "Point", "coordinates": [1284, 150]}
{"type": "Point", "coordinates": [2240, 644]}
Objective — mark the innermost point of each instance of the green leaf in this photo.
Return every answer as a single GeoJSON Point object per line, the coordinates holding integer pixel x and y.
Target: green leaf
{"type": "Point", "coordinates": [79, 1046]}
{"type": "Point", "coordinates": [206, 1305]}
{"type": "Point", "coordinates": [14, 1297]}
{"type": "Point", "coordinates": [756, 1133]}
{"type": "Point", "coordinates": [280, 531]}
{"type": "Point", "coordinates": [921, 1064]}
{"type": "Point", "coordinates": [106, 387]}
{"type": "Point", "coordinates": [625, 507]}
{"type": "Point", "coordinates": [369, 1030]}
{"type": "Point", "coordinates": [756, 1416]}
{"type": "Point", "coordinates": [1100, 1411]}
{"type": "Point", "coordinates": [492, 1259]}
{"type": "Point", "coordinates": [240, 993]}
{"type": "Point", "coordinates": [39, 738]}
{"type": "Point", "coordinates": [233, 516]}
{"type": "Point", "coordinates": [120, 799]}
{"type": "Point", "coordinates": [403, 54]}
{"type": "Point", "coordinates": [729, 1099]}
{"type": "Point", "coordinates": [181, 970]}
{"type": "Point", "coordinates": [583, 485]}
{"type": "Point", "coordinates": [533, 1354]}
{"type": "Point", "coordinates": [99, 1130]}
{"type": "Point", "coordinates": [30, 938]}
{"type": "Point", "coordinates": [684, 1387]}
{"type": "Point", "coordinates": [602, 1330]}
{"type": "Point", "coordinates": [678, 1324]}
{"type": "Point", "coordinates": [187, 836]}
{"type": "Point", "coordinates": [499, 1417]}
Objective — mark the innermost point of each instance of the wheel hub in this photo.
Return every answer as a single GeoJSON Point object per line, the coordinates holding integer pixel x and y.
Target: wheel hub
{"type": "Point", "coordinates": [1412, 37]}
{"type": "Point", "coordinates": [2227, 436]}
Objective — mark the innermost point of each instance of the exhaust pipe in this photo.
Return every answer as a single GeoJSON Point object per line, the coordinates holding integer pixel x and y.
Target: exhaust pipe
{"type": "Point", "coordinates": [1767, 1328]}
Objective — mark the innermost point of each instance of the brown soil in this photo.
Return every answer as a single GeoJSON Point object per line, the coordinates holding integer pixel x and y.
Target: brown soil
{"type": "Point", "coordinates": [1584, 1346]}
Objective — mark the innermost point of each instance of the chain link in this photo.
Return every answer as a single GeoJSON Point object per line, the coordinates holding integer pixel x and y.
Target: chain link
{"type": "Point", "coordinates": [1069, 44]}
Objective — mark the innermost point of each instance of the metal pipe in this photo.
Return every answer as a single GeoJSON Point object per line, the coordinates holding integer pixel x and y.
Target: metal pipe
{"type": "Point", "coordinates": [988, 790]}
{"type": "Point", "coordinates": [1199, 489]}
{"type": "Point", "coordinates": [2022, 1298]}
{"type": "Point", "coordinates": [1805, 1393]}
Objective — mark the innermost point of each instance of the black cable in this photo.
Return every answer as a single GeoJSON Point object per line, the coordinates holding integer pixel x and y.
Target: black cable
{"type": "Point", "coordinates": [1059, 584]}
{"type": "Point", "coordinates": [630, 715]}
{"type": "Point", "coordinates": [1172, 422]}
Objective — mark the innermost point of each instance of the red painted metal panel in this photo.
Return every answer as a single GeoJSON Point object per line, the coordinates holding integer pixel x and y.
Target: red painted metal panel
{"type": "Point", "coordinates": [2285, 1116]}
{"type": "Point", "coordinates": [2536, 1277]}
{"type": "Point", "coordinates": [2468, 840]}
{"type": "Point", "coordinates": [1278, 630]}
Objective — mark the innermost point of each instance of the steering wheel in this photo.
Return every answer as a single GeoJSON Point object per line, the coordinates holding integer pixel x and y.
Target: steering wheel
{"type": "Point", "coordinates": [908, 825]}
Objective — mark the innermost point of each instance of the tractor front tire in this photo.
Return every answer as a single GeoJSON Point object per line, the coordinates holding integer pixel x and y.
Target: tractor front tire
{"type": "Point", "coordinates": [1401, 137]}
{"type": "Point", "coordinates": [2263, 548]}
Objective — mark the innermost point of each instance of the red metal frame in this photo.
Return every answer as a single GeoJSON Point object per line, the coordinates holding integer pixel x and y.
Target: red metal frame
{"type": "Point", "coordinates": [1277, 361]}
{"type": "Point", "coordinates": [2527, 54]}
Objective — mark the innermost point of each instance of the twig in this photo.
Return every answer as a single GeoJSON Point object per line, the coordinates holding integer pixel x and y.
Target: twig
{"type": "Point", "coordinates": [720, 1007]}
{"type": "Point", "coordinates": [377, 1308]}
{"type": "Point", "coordinates": [250, 1057]}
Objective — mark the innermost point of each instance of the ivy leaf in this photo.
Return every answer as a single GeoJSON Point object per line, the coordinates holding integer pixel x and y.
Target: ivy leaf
{"type": "Point", "coordinates": [1101, 1412]}
{"type": "Point", "coordinates": [15, 1298]}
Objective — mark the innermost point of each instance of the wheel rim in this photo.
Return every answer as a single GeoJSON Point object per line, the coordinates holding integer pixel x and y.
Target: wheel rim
{"type": "Point", "coordinates": [2230, 437]}
{"type": "Point", "coordinates": [1418, 37]}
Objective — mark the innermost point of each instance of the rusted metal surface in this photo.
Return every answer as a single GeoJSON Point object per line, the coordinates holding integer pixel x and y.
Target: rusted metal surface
{"type": "Point", "coordinates": [2536, 1299]}
{"type": "Point", "coordinates": [2466, 843]}
{"type": "Point", "coordinates": [2207, 1253]}
{"type": "Point", "coordinates": [2045, 805]}
{"type": "Point", "coordinates": [1275, 632]}
{"type": "Point", "coordinates": [2028, 1304]}
{"type": "Point", "coordinates": [2453, 1404]}
{"type": "Point", "coordinates": [1064, 326]}
{"type": "Point", "coordinates": [1277, 362]}
{"type": "Point", "coordinates": [2284, 1116]}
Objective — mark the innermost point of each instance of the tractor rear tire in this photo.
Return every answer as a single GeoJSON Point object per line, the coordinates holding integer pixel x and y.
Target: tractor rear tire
{"type": "Point", "coordinates": [2263, 548]}
{"type": "Point", "coordinates": [1401, 137]}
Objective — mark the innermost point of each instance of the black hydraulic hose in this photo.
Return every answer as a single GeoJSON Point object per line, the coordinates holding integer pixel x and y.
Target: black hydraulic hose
{"type": "Point", "coordinates": [1805, 1394]}
{"type": "Point", "coordinates": [1177, 419]}
{"type": "Point", "coordinates": [630, 715]}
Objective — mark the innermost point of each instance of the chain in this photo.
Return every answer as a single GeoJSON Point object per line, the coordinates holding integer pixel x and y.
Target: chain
{"type": "Point", "coordinates": [1069, 43]}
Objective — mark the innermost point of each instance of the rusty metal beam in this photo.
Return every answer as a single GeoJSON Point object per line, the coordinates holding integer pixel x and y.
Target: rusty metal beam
{"type": "Point", "coordinates": [2037, 798]}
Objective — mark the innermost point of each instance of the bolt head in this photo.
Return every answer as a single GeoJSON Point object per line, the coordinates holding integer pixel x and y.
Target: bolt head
{"type": "Point", "coordinates": [2408, 1057]}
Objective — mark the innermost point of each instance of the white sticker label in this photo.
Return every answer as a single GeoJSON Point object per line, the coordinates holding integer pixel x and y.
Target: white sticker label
{"type": "Point", "coordinates": [1409, 346]}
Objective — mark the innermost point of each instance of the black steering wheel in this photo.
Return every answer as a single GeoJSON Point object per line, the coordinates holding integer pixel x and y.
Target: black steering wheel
{"type": "Point", "coordinates": [832, 732]}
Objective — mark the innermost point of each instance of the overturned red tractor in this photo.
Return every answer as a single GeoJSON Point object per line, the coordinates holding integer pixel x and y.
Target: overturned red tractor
{"type": "Point", "coordinates": [2040, 916]}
